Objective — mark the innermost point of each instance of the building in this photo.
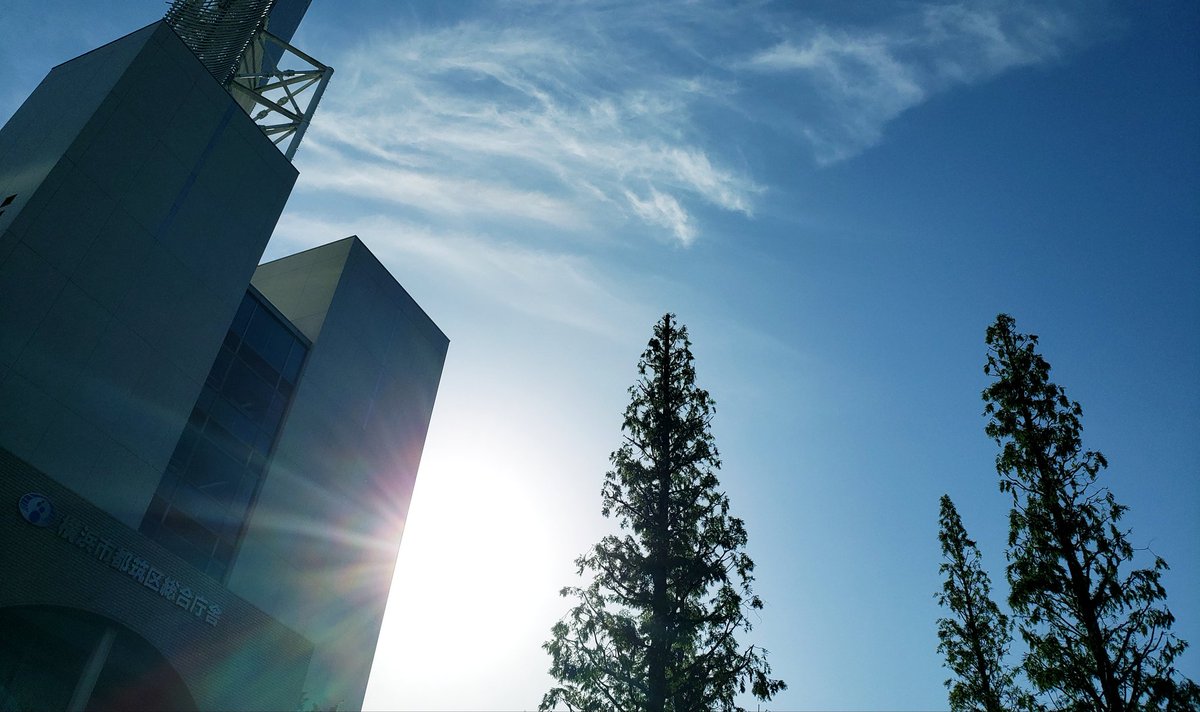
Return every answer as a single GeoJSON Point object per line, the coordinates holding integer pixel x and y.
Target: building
{"type": "Point", "coordinates": [207, 462]}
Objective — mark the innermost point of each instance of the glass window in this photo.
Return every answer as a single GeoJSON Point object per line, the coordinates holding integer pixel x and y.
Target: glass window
{"type": "Point", "coordinates": [242, 318]}
{"type": "Point", "coordinates": [230, 445]}
{"type": "Point", "coordinates": [202, 502]}
{"type": "Point", "coordinates": [183, 450]}
{"type": "Point", "coordinates": [268, 338]}
{"type": "Point", "coordinates": [235, 422]}
{"type": "Point", "coordinates": [189, 529]}
{"type": "Point", "coordinates": [217, 375]}
{"type": "Point", "coordinates": [248, 391]}
{"type": "Point", "coordinates": [291, 370]}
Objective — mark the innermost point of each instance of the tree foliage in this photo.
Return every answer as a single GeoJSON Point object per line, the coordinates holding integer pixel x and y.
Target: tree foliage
{"type": "Point", "coordinates": [1098, 629]}
{"type": "Point", "coordinates": [655, 629]}
{"type": "Point", "coordinates": [975, 637]}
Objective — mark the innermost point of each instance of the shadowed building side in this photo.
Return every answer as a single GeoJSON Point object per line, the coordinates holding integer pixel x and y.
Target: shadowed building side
{"type": "Point", "coordinates": [145, 197]}
{"type": "Point", "coordinates": [347, 457]}
{"type": "Point", "coordinates": [207, 476]}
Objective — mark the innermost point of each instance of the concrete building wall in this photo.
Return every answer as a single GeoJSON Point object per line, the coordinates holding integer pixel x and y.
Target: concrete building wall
{"type": "Point", "coordinates": [144, 198]}
{"type": "Point", "coordinates": [329, 518]}
{"type": "Point", "coordinates": [240, 660]}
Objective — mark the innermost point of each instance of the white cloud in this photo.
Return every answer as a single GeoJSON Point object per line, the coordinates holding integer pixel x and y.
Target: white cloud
{"type": "Point", "coordinates": [546, 126]}
{"type": "Point", "coordinates": [861, 78]}
{"type": "Point", "coordinates": [591, 123]}
{"type": "Point", "coordinates": [542, 284]}
{"type": "Point", "coordinates": [663, 210]}
{"type": "Point", "coordinates": [430, 192]}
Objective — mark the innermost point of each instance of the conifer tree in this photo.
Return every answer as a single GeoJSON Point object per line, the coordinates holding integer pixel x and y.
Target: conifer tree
{"type": "Point", "coordinates": [655, 630]}
{"type": "Point", "coordinates": [1098, 629]}
{"type": "Point", "coordinates": [975, 637]}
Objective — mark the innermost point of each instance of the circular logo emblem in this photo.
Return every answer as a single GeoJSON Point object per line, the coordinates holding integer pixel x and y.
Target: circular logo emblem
{"type": "Point", "coordinates": [37, 509]}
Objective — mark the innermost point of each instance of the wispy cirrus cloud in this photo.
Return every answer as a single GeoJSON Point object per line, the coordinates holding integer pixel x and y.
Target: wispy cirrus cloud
{"type": "Point", "coordinates": [529, 127]}
{"type": "Point", "coordinates": [544, 284]}
{"type": "Point", "coordinates": [858, 78]}
{"type": "Point", "coordinates": [624, 120]}
{"type": "Point", "coordinates": [433, 192]}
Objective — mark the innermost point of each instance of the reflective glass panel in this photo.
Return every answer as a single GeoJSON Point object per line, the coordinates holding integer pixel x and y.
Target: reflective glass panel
{"type": "Point", "coordinates": [205, 496]}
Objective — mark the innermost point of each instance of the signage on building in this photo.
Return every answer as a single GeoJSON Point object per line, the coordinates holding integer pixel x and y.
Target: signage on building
{"type": "Point", "coordinates": [37, 509]}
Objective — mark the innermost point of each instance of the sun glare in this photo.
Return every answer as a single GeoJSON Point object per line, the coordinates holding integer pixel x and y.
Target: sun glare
{"type": "Point", "coordinates": [478, 573]}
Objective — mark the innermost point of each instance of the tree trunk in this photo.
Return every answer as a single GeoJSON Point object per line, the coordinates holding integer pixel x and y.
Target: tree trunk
{"type": "Point", "coordinates": [990, 698]}
{"type": "Point", "coordinates": [656, 697]}
{"type": "Point", "coordinates": [1080, 585]}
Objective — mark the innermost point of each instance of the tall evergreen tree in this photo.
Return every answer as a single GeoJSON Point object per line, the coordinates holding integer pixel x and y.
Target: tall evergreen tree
{"type": "Point", "coordinates": [975, 637]}
{"type": "Point", "coordinates": [655, 629]}
{"type": "Point", "coordinates": [1098, 630]}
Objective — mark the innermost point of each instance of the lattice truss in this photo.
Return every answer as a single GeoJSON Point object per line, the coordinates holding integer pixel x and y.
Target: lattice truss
{"type": "Point", "coordinates": [281, 101]}
{"type": "Point", "coordinates": [230, 38]}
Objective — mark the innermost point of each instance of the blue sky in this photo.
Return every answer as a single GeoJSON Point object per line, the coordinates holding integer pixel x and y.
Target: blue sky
{"type": "Point", "coordinates": [837, 201]}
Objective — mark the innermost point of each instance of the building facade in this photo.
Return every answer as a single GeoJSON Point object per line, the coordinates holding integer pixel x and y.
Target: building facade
{"type": "Point", "coordinates": [207, 462]}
